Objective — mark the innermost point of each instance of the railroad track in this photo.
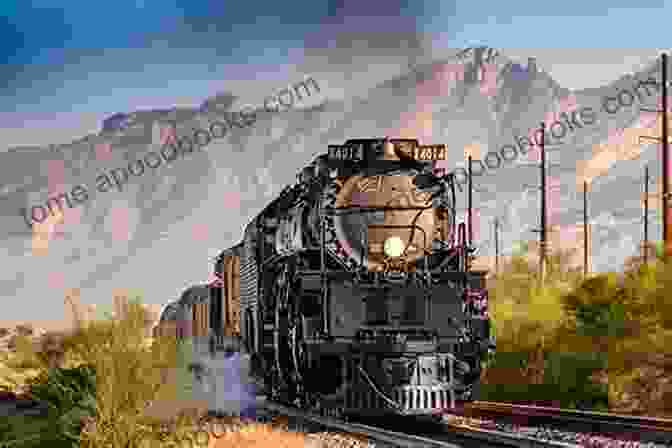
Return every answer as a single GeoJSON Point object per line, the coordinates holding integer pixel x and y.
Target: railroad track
{"type": "Point", "coordinates": [483, 424]}
{"type": "Point", "coordinates": [436, 436]}
{"type": "Point", "coordinates": [617, 426]}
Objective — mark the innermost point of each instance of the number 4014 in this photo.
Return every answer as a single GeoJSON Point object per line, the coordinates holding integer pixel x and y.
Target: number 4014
{"type": "Point", "coordinates": [430, 152]}
{"type": "Point", "coordinates": [346, 152]}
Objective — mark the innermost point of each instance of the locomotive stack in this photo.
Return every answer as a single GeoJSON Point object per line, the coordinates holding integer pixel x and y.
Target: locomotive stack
{"type": "Point", "coordinates": [351, 290]}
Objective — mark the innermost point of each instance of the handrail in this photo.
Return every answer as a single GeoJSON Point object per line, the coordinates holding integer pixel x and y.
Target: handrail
{"type": "Point", "coordinates": [360, 209]}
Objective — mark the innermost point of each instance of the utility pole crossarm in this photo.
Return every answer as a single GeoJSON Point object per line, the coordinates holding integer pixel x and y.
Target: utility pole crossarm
{"type": "Point", "coordinates": [653, 139]}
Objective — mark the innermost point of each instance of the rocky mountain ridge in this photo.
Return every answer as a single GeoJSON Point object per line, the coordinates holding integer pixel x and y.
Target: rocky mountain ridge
{"type": "Point", "coordinates": [200, 203]}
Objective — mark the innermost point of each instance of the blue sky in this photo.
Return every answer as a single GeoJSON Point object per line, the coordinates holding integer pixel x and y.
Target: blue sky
{"type": "Point", "coordinates": [105, 57]}
{"type": "Point", "coordinates": [62, 63]}
{"type": "Point", "coordinates": [566, 24]}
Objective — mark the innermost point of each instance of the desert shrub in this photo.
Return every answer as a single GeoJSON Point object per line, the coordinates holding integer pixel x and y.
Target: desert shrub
{"type": "Point", "coordinates": [25, 329]}
{"type": "Point", "coordinates": [27, 357]}
{"type": "Point", "coordinates": [546, 377]}
{"type": "Point", "coordinates": [598, 307]}
{"type": "Point", "coordinates": [520, 307]}
{"type": "Point", "coordinates": [570, 377]}
{"type": "Point", "coordinates": [11, 343]}
{"type": "Point", "coordinates": [534, 363]}
{"type": "Point", "coordinates": [129, 373]}
{"type": "Point", "coordinates": [627, 317]}
{"type": "Point", "coordinates": [41, 354]}
{"type": "Point", "coordinates": [28, 431]}
{"type": "Point", "coordinates": [70, 397]}
{"type": "Point", "coordinates": [15, 370]}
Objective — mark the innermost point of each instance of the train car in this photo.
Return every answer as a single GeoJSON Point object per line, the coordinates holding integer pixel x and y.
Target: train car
{"type": "Point", "coordinates": [209, 313]}
{"type": "Point", "coordinates": [167, 324]}
{"type": "Point", "coordinates": [352, 291]}
{"type": "Point", "coordinates": [226, 293]}
{"type": "Point", "coordinates": [196, 309]}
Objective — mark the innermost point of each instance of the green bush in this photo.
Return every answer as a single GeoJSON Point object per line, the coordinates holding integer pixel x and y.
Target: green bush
{"type": "Point", "coordinates": [629, 320]}
{"type": "Point", "coordinates": [70, 395]}
{"type": "Point", "coordinates": [598, 307]}
{"type": "Point", "coordinates": [566, 380]}
{"type": "Point", "coordinates": [539, 358]}
{"type": "Point", "coordinates": [570, 375]}
{"type": "Point", "coordinates": [112, 374]}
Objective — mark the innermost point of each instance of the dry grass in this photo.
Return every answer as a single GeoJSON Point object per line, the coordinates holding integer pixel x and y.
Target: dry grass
{"type": "Point", "coordinates": [235, 435]}
{"type": "Point", "coordinates": [143, 387]}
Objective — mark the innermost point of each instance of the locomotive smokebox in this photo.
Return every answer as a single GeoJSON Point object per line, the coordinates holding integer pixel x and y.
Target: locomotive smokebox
{"type": "Point", "coordinates": [385, 222]}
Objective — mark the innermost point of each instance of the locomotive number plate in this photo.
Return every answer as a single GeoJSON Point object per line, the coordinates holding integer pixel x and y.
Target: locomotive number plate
{"type": "Point", "coordinates": [346, 152]}
{"type": "Point", "coordinates": [430, 152]}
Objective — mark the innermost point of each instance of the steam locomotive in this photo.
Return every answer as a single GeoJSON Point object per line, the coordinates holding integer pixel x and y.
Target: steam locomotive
{"type": "Point", "coordinates": [352, 290]}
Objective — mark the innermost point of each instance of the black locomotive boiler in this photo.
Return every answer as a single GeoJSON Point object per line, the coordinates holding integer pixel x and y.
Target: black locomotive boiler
{"type": "Point", "coordinates": [353, 289]}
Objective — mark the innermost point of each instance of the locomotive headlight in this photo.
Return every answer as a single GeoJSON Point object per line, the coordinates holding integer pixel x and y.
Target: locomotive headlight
{"type": "Point", "coordinates": [393, 247]}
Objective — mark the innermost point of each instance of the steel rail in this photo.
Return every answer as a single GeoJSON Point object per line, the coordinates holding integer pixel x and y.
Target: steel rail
{"type": "Point", "coordinates": [643, 428]}
{"type": "Point", "coordinates": [452, 437]}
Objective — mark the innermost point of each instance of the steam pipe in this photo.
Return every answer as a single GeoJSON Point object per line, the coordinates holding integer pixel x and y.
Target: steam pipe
{"type": "Point", "coordinates": [469, 205]}
{"type": "Point", "coordinates": [323, 273]}
{"type": "Point", "coordinates": [452, 206]}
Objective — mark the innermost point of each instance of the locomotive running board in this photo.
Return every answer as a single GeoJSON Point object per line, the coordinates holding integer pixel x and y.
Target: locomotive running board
{"type": "Point", "coordinates": [454, 275]}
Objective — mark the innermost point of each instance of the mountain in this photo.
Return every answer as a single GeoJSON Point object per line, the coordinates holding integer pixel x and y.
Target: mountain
{"type": "Point", "coordinates": [161, 232]}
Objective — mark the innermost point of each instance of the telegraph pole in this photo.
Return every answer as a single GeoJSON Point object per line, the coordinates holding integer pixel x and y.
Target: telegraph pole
{"type": "Point", "coordinates": [469, 204]}
{"type": "Point", "coordinates": [585, 228]}
{"type": "Point", "coordinates": [667, 231]}
{"type": "Point", "coordinates": [496, 246]}
{"type": "Point", "coordinates": [666, 169]}
{"type": "Point", "coordinates": [542, 233]}
{"type": "Point", "coordinates": [646, 214]}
